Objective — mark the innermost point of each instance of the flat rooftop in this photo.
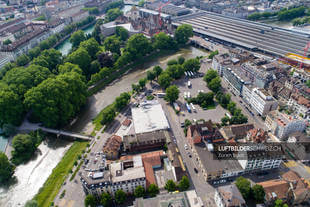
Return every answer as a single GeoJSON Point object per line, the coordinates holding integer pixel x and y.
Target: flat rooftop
{"type": "Point", "coordinates": [149, 116]}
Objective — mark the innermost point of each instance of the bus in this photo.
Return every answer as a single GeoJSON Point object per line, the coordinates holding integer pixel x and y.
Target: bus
{"type": "Point", "coordinates": [161, 95]}
{"type": "Point", "coordinates": [188, 108]}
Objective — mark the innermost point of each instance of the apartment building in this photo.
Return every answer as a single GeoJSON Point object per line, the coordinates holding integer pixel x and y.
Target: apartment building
{"type": "Point", "coordinates": [262, 102]}
{"type": "Point", "coordinates": [235, 79]}
{"type": "Point", "coordinates": [300, 105]}
{"type": "Point", "coordinates": [259, 160]}
{"type": "Point", "coordinates": [112, 147]}
{"type": "Point", "coordinates": [281, 125]}
{"type": "Point", "coordinates": [220, 61]}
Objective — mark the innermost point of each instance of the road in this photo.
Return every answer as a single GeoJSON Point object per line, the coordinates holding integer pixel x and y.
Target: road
{"type": "Point", "coordinates": [203, 189]}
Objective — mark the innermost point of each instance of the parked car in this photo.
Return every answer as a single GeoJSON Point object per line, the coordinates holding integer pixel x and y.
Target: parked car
{"type": "Point", "coordinates": [195, 169]}
{"type": "Point", "coordinates": [182, 125]}
{"type": "Point", "coordinates": [185, 147]}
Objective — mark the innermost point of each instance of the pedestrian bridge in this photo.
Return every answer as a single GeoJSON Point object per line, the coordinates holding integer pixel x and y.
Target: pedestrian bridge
{"type": "Point", "coordinates": [26, 127]}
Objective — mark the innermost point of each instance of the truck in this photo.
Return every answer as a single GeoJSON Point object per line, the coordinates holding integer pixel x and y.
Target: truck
{"type": "Point", "coordinates": [176, 106]}
{"type": "Point", "coordinates": [188, 108]}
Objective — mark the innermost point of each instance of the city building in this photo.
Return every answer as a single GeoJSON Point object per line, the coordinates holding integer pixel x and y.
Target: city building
{"type": "Point", "coordinates": [229, 196]}
{"type": "Point", "coordinates": [123, 175]}
{"type": "Point", "coordinates": [79, 16]}
{"type": "Point", "coordinates": [281, 125]}
{"type": "Point", "coordinates": [262, 102]}
{"type": "Point", "coordinates": [235, 79]}
{"type": "Point", "coordinates": [181, 199]}
{"type": "Point", "coordinates": [109, 28]}
{"type": "Point", "coordinates": [238, 131]}
{"type": "Point", "coordinates": [259, 160]}
{"type": "Point", "coordinates": [290, 188]}
{"type": "Point", "coordinates": [275, 189]}
{"type": "Point", "coordinates": [112, 147]}
{"type": "Point", "coordinates": [168, 9]}
{"type": "Point", "coordinates": [149, 116]}
{"type": "Point", "coordinates": [300, 106]}
{"type": "Point", "coordinates": [220, 61]}
{"type": "Point", "coordinates": [200, 132]}
{"type": "Point", "coordinates": [56, 25]}
{"type": "Point", "coordinates": [257, 136]}
{"type": "Point", "coordinates": [145, 141]}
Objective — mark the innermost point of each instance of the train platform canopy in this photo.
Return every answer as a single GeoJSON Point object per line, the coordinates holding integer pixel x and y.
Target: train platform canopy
{"type": "Point", "coordinates": [298, 58]}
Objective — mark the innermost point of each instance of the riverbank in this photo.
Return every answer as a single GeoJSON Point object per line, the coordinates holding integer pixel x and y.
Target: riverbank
{"type": "Point", "coordinates": [51, 187]}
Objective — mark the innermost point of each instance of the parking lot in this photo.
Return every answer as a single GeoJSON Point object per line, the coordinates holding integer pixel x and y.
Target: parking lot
{"type": "Point", "coordinates": [197, 83]}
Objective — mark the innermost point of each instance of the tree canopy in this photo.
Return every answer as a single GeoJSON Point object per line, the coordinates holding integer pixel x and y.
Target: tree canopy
{"type": "Point", "coordinates": [138, 46]}
{"type": "Point", "coordinates": [91, 46]}
{"type": "Point", "coordinates": [120, 197]}
{"type": "Point", "coordinates": [77, 37]}
{"type": "Point", "coordinates": [90, 201]}
{"type": "Point", "coordinates": [106, 200]}
{"type": "Point", "coordinates": [153, 190]}
{"type": "Point", "coordinates": [183, 33]}
{"type": "Point", "coordinates": [81, 58]}
{"type": "Point", "coordinates": [172, 93]}
{"type": "Point", "coordinates": [192, 65]}
{"type": "Point", "coordinates": [121, 33]}
{"type": "Point", "coordinates": [163, 41]}
{"type": "Point", "coordinates": [112, 14]}
{"type": "Point", "coordinates": [170, 186]}
{"type": "Point", "coordinates": [112, 44]}
{"type": "Point", "coordinates": [244, 187]}
{"type": "Point", "coordinates": [258, 193]}
{"type": "Point", "coordinates": [211, 74]}
{"type": "Point", "coordinates": [215, 84]}
{"type": "Point", "coordinates": [164, 80]}
{"type": "Point", "coordinates": [56, 100]}
{"type": "Point", "coordinates": [184, 183]}
{"type": "Point", "coordinates": [139, 191]}
{"type": "Point", "coordinates": [6, 168]}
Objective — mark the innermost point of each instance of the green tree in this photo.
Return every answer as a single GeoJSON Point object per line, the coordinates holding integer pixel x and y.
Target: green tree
{"type": "Point", "coordinates": [94, 67]}
{"type": "Point", "coordinates": [139, 191]}
{"type": "Point", "coordinates": [138, 46]}
{"type": "Point", "coordinates": [163, 41]}
{"type": "Point", "coordinates": [112, 14]}
{"type": "Point", "coordinates": [211, 74]}
{"type": "Point", "coordinates": [308, 83]}
{"type": "Point", "coordinates": [24, 147]}
{"type": "Point", "coordinates": [157, 70]}
{"type": "Point", "coordinates": [150, 75]}
{"type": "Point", "coordinates": [90, 201]}
{"type": "Point", "coordinates": [6, 168]}
{"type": "Point", "coordinates": [258, 193]}
{"type": "Point", "coordinates": [231, 107]}
{"type": "Point", "coordinates": [122, 101]}
{"type": "Point", "coordinates": [31, 203]}
{"type": "Point", "coordinates": [183, 33]}
{"type": "Point", "coordinates": [22, 60]}
{"type": "Point", "coordinates": [121, 33]}
{"type": "Point", "coordinates": [96, 34]}
{"type": "Point", "coordinates": [53, 58]}
{"type": "Point", "coordinates": [215, 84]}
{"type": "Point", "coordinates": [22, 79]}
{"type": "Point", "coordinates": [11, 107]}
{"type": "Point", "coordinates": [225, 120]}
{"type": "Point", "coordinates": [7, 42]}
{"type": "Point", "coordinates": [244, 187]}
{"type": "Point", "coordinates": [153, 190]}
{"type": "Point", "coordinates": [172, 93]}
{"type": "Point", "coordinates": [77, 37]}
{"type": "Point", "coordinates": [175, 71]}
{"type": "Point", "coordinates": [184, 183]}
{"type": "Point", "coordinates": [69, 67]}
{"type": "Point", "coordinates": [135, 87]}
{"type": "Point", "coordinates": [34, 52]}
{"type": "Point", "coordinates": [108, 116]}
{"type": "Point", "coordinates": [120, 197]}
{"type": "Point", "coordinates": [112, 44]}
{"type": "Point", "coordinates": [164, 80]}
{"type": "Point", "coordinates": [81, 58]}
{"type": "Point", "coordinates": [181, 60]}
{"type": "Point", "coordinates": [192, 65]}
{"type": "Point", "coordinates": [91, 46]}
{"type": "Point", "coordinates": [106, 200]}
{"type": "Point", "coordinates": [141, 3]}
{"type": "Point", "coordinates": [56, 100]}
{"type": "Point", "coordinates": [142, 82]}
{"type": "Point", "coordinates": [170, 186]}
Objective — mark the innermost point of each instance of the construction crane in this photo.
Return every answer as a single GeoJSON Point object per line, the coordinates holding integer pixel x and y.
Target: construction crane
{"type": "Point", "coordinates": [305, 53]}
{"type": "Point", "coordinates": [160, 22]}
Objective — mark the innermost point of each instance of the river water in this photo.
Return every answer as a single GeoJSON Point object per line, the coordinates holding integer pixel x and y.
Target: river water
{"type": "Point", "coordinates": [31, 176]}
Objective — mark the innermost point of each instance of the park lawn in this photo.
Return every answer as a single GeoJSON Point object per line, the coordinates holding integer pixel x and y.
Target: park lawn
{"type": "Point", "coordinates": [98, 118]}
{"type": "Point", "coordinates": [212, 106]}
{"type": "Point", "coordinates": [52, 185]}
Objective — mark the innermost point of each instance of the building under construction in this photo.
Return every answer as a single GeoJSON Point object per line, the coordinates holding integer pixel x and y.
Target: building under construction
{"type": "Point", "coordinates": [148, 21]}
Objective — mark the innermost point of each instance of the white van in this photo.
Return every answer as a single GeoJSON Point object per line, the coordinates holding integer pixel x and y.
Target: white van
{"type": "Point", "coordinates": [188, 94]}
{"type": "Point", "coordinates": [193, 107]}
{"type": "Point", "coordinates": [189, 84]}
{"type": "Point", "coordinates": [185, 94]}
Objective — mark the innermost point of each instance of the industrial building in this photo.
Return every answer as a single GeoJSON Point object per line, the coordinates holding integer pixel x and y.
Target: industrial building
{"type": "Point", "coordinates": [247, 34]}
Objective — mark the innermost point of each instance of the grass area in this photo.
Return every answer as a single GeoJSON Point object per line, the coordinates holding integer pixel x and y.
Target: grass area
{"type": "Point", "coordinates": [76, 170]}
{"type": "Point", "coordinates": [134, 65]}
{"type": "Point", "coordinates": [98, 118]}
{"type": "Point", "coordinates": [54, 182]}
{"type": "Point", "coordinates": [212, 106]}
